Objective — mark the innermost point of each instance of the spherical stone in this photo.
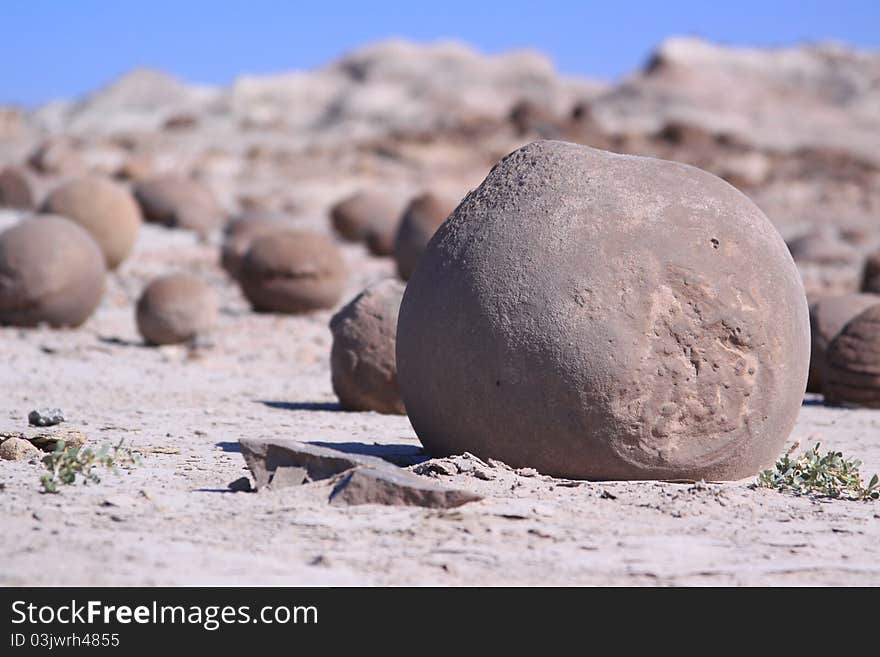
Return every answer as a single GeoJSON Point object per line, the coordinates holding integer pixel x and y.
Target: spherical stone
{"type": "Point", "coordinates": [240, 234]}
{"type": "Point", "coordinates": [51, 270]}
{"type": "Point", "coordinates": [828, 315]}
{"type": "Point", "coordinates": [17, 449]}
{"type": "Point", "coordinates": [604, 316]}
{"type": "Point", "coordinates": [852, 376]}
{"type": "Point", "coordinates": [17, 188]}
{"type": "Point", "coordinates": [175, 308]}
{"type": "Point", "coordinates": [357, 216]}
{"type": "Point", "coordinates": [105, 209]}
{"type": "Point", "coordinates": [421, 218]}
{"type": "Point", "coordinates": [362, 360]}
{"type": "Point", "coordinates": [293, 272]}
{"type": "Point", "coordinates": [179, 202]}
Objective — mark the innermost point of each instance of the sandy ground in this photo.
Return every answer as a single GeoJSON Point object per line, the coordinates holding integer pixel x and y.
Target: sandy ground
{"type": "Point", "coordinates": [172, 521]}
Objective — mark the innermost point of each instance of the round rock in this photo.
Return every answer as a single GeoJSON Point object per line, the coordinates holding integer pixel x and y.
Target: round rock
{"type": "Point", "coordinates": [105, 209]}
{"type": "Point", "coordinates": [852, 376]}
{"type": "Point", "coordinates": [362, 360]}
{"type": "Point", "coordinates": [240, 234]}
{"type": "Point", "coordinates": [367, 216]}
{"type": "Point", "coordinates": [175, 308]}
{"type": "Point", "coordinates": [52, 271]}
{"type": "Point", "coordinates": [421, 218]}
{"type": "Point", "coordinates": [179, 202]}
{"type": "Point", "coordinates": [293, 271]}
{"type": "Point", "coordinates": [602, 316]}
{"type": "Point", "coordinates": [828, 315]}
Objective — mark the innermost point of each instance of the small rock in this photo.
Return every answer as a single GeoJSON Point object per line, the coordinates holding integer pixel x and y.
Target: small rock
{"type": "Point", "coordinates": [526, 472]}
{"type": "Point", "coordinates": [240, 485]}
{"type": "Point", "coordinates": [479, 473]}
{"type": "Point", "coordinates": [436, 467]}
{"type": "Point", "coordinates": [390, 486]}
{"type": "Point", "coordinates": [46, 417]}
{"type": "Point", "coordinates": [17, 449]}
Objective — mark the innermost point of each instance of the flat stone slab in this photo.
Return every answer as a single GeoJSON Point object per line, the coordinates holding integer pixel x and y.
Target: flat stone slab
{"type": "Point", "coordinates": [265, 456]}
{"type": "Point", "coordinates": [282, 462]}
{"type": "Point", "coordinates": [396, 488]}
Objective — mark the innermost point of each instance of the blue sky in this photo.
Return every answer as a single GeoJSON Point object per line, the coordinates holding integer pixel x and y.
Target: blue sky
{"type": "Point", "coordinates": [63, 48]}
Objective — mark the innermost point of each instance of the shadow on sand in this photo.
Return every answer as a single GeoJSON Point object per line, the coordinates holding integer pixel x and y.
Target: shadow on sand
{"type": "Point", "coordinates": [303, 406]}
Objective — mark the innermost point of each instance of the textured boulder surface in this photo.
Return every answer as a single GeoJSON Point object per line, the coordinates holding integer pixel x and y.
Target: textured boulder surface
{"type": "Point", "coordinates": [52, 271]}
{"type": "Point", "coordinates": [362, 359]}
{"type": "Point", "coordinates": [105, 209]}
{"type": "Point", "coordinates": [175, 308]}
{"type": "Point", "coordinates": [421, 218]}
{"type": "Point", "coordinates": [828, 315]}
{"type": "Point", "coordinates": [293, 272]}
{"type": "Point", "coordinates": [852, 376]}
{"type": "Point", "coordinates": [179, 202]}
{"type": "Point", "coordinates": [589, 315]}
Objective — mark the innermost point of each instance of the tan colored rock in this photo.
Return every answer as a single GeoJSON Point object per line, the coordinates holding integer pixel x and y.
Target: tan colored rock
{"type": "Point", "coordinates": [588, 315]}
{"type": "Point", "coordinates": [421, 218]}
{"type": "Point", "coordinates": [852, 377]}
{"type": "Point", "coordinates": [828, 315]}
{"type": "Point", "coordinates": [105, 209]}
{"type": "Point", "coordinates": [362, 359]}
{"type": "Point", "coordinates": [17, 449]}
{"type": "Point", "coordinates": [176, 308]}
{"type": "Point", "coordinates": [293, 272]}
{"type": "Point", "coordinates": [179, 202]}
{"type": "Point", "coordinates": [51, 271]}
{"type": "Point", "coordinates": [240, 234]}
{"type": "Point", "coordinates": [365, 215]}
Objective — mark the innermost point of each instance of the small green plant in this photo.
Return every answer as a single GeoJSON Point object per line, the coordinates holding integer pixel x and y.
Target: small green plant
{"type": "Point", "coordinates": [68, 462]}
{"type": "Point", "coordinates": [811, 473]}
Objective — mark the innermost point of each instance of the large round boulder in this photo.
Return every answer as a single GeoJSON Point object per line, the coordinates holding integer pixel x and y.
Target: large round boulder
{"type": "Point", "coordinates": [828, 315]}
{"type": "Point", "coordinates": [175, 308]}
{"type": "Point", "coordinates": [292, 271]}
{"type": "Point", "coordinates": [104, 208]}
{"type": "Point", "coordinates": [179, 202]}
{"type": "Point", "coordinates": [422, 217]}
{"type": "Point", "coordinates": [605, 316]}
{"type": "Point", "coordinates": [51, 271]}
{"type": "Point", "coordinates": [362, 359]}
{"type": "Point", "coordinates": [852, 377]}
